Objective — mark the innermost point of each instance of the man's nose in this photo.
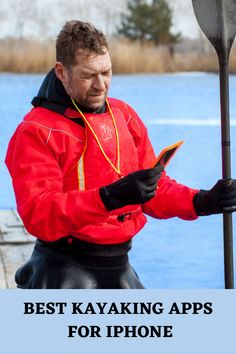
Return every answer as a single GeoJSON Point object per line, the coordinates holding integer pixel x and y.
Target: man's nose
{"type": "Point", "coordinates": [99, 83]}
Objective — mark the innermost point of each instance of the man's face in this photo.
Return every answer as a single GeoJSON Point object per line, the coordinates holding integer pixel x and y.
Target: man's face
{"type": "Point", "coordinates": [87, 82]}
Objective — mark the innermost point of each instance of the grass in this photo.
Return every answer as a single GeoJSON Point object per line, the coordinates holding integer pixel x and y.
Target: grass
{"type": "Point", "coordinates": [31, 56]}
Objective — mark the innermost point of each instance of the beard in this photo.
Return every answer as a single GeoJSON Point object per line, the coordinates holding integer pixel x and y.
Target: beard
{"type": "Point", "coordinates": [92, 102]}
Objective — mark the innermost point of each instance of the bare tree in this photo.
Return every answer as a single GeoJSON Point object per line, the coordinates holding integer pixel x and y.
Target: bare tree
{"type": "Point", "coordinates": [21, 13]}
{"type": "Point", "coordinates": [46, 18]}
{"type": "Point", "coordinates": [3, 17]}
{"type": "Point", "coordinates": [2, 12]}
{"type": "Point", "coordinates": [102, 13]}
{"type": "Point", "coordinates": [109, 13]}
{"type": "Point", "coordinates": [75, 9]}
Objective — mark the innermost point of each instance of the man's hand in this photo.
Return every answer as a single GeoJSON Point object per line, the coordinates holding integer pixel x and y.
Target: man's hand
{"type": "Point", "coordinates": [136, 188]}
{"type": "Point", "coordinates": [221, 198]}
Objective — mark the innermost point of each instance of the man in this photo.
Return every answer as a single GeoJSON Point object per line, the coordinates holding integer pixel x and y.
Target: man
{"type": "Point", "coordinates": [83, 175]}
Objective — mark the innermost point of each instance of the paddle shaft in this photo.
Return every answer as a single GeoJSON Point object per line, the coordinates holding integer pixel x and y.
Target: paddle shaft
{"type": "Point", "coordinates": [217, 19]}
{"type": "Point", "coordinates": [226, 173]}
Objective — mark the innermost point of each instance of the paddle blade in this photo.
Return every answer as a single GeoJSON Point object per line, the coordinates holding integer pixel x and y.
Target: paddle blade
{"type": "Point", "coordinates": [217, 19]}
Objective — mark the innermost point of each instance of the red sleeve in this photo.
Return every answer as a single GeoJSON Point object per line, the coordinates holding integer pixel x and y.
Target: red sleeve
{"type": "Point", "coordinates": [47, 212]}
{"type": "Point", "coordinates": [171, 199]}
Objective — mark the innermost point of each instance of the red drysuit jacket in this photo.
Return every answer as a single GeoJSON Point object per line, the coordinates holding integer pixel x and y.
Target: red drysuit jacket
{"type": "Point", "coordinates": [57, 169]}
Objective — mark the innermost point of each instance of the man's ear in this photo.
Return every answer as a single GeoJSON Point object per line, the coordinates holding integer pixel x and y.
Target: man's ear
{"type": "Point", "coordinates": [60, 71]}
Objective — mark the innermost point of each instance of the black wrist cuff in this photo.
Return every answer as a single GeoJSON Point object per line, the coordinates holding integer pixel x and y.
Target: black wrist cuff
{"type": "Point", "coordinates": [105, 196]}
{"type": "Point", "coordinates": [198, 203]}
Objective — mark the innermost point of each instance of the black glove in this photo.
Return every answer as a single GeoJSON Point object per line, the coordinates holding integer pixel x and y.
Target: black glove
{"type": "Point", "coordinates": [136, 188]}
{"type": "Point", "coordinates": [221, 198]}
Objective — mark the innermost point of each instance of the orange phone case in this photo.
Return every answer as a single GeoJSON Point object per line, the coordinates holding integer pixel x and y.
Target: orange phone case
{"type": "Point", "coordinates": [167, 153]}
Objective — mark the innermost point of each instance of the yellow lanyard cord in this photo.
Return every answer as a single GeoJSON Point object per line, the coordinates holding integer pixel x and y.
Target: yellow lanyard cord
{"type": "Point", "coordinates": [117, 169]}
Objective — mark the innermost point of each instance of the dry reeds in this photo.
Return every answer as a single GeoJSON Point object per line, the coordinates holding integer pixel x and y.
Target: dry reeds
{"type": "Point", "coordinates": [26, 56]}
{"type": "Point", "coordinates": [31, 56]}
{"type": "Point", "coordinates": [193, 61]}
{"type": "Point", "coordinates": [130, 58]}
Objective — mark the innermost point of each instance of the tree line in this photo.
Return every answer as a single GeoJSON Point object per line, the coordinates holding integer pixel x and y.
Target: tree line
{"type": "Point", "coordinates": [138, 20]}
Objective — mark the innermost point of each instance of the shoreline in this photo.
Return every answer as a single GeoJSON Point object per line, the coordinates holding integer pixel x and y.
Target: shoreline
{"type": "Point", "coordinates": [33, 56]}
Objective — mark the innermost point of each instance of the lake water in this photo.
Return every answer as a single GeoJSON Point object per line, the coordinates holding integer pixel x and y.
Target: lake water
{"type": "Point", "coordinates": [167, 253]}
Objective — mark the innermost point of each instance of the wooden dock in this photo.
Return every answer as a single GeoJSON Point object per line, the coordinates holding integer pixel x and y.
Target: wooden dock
{"type": "Point", "coordinates": [16, 246]}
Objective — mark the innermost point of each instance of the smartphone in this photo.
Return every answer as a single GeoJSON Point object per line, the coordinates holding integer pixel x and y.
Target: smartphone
{"type": "Point", "coordinates": [167, 153]}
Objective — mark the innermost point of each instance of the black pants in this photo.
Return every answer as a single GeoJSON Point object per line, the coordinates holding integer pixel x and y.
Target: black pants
{"type": "Point", "coordinates": [78, 265]}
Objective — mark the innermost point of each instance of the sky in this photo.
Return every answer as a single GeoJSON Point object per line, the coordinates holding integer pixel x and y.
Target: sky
{"type": "Point", "coordinates": [184, 18]}
{"type": "Point", "coordinates": [54, 15]}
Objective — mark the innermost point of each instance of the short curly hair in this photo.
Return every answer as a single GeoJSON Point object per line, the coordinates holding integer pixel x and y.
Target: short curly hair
{"type": "Point", "coordinates": [77, 35]}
